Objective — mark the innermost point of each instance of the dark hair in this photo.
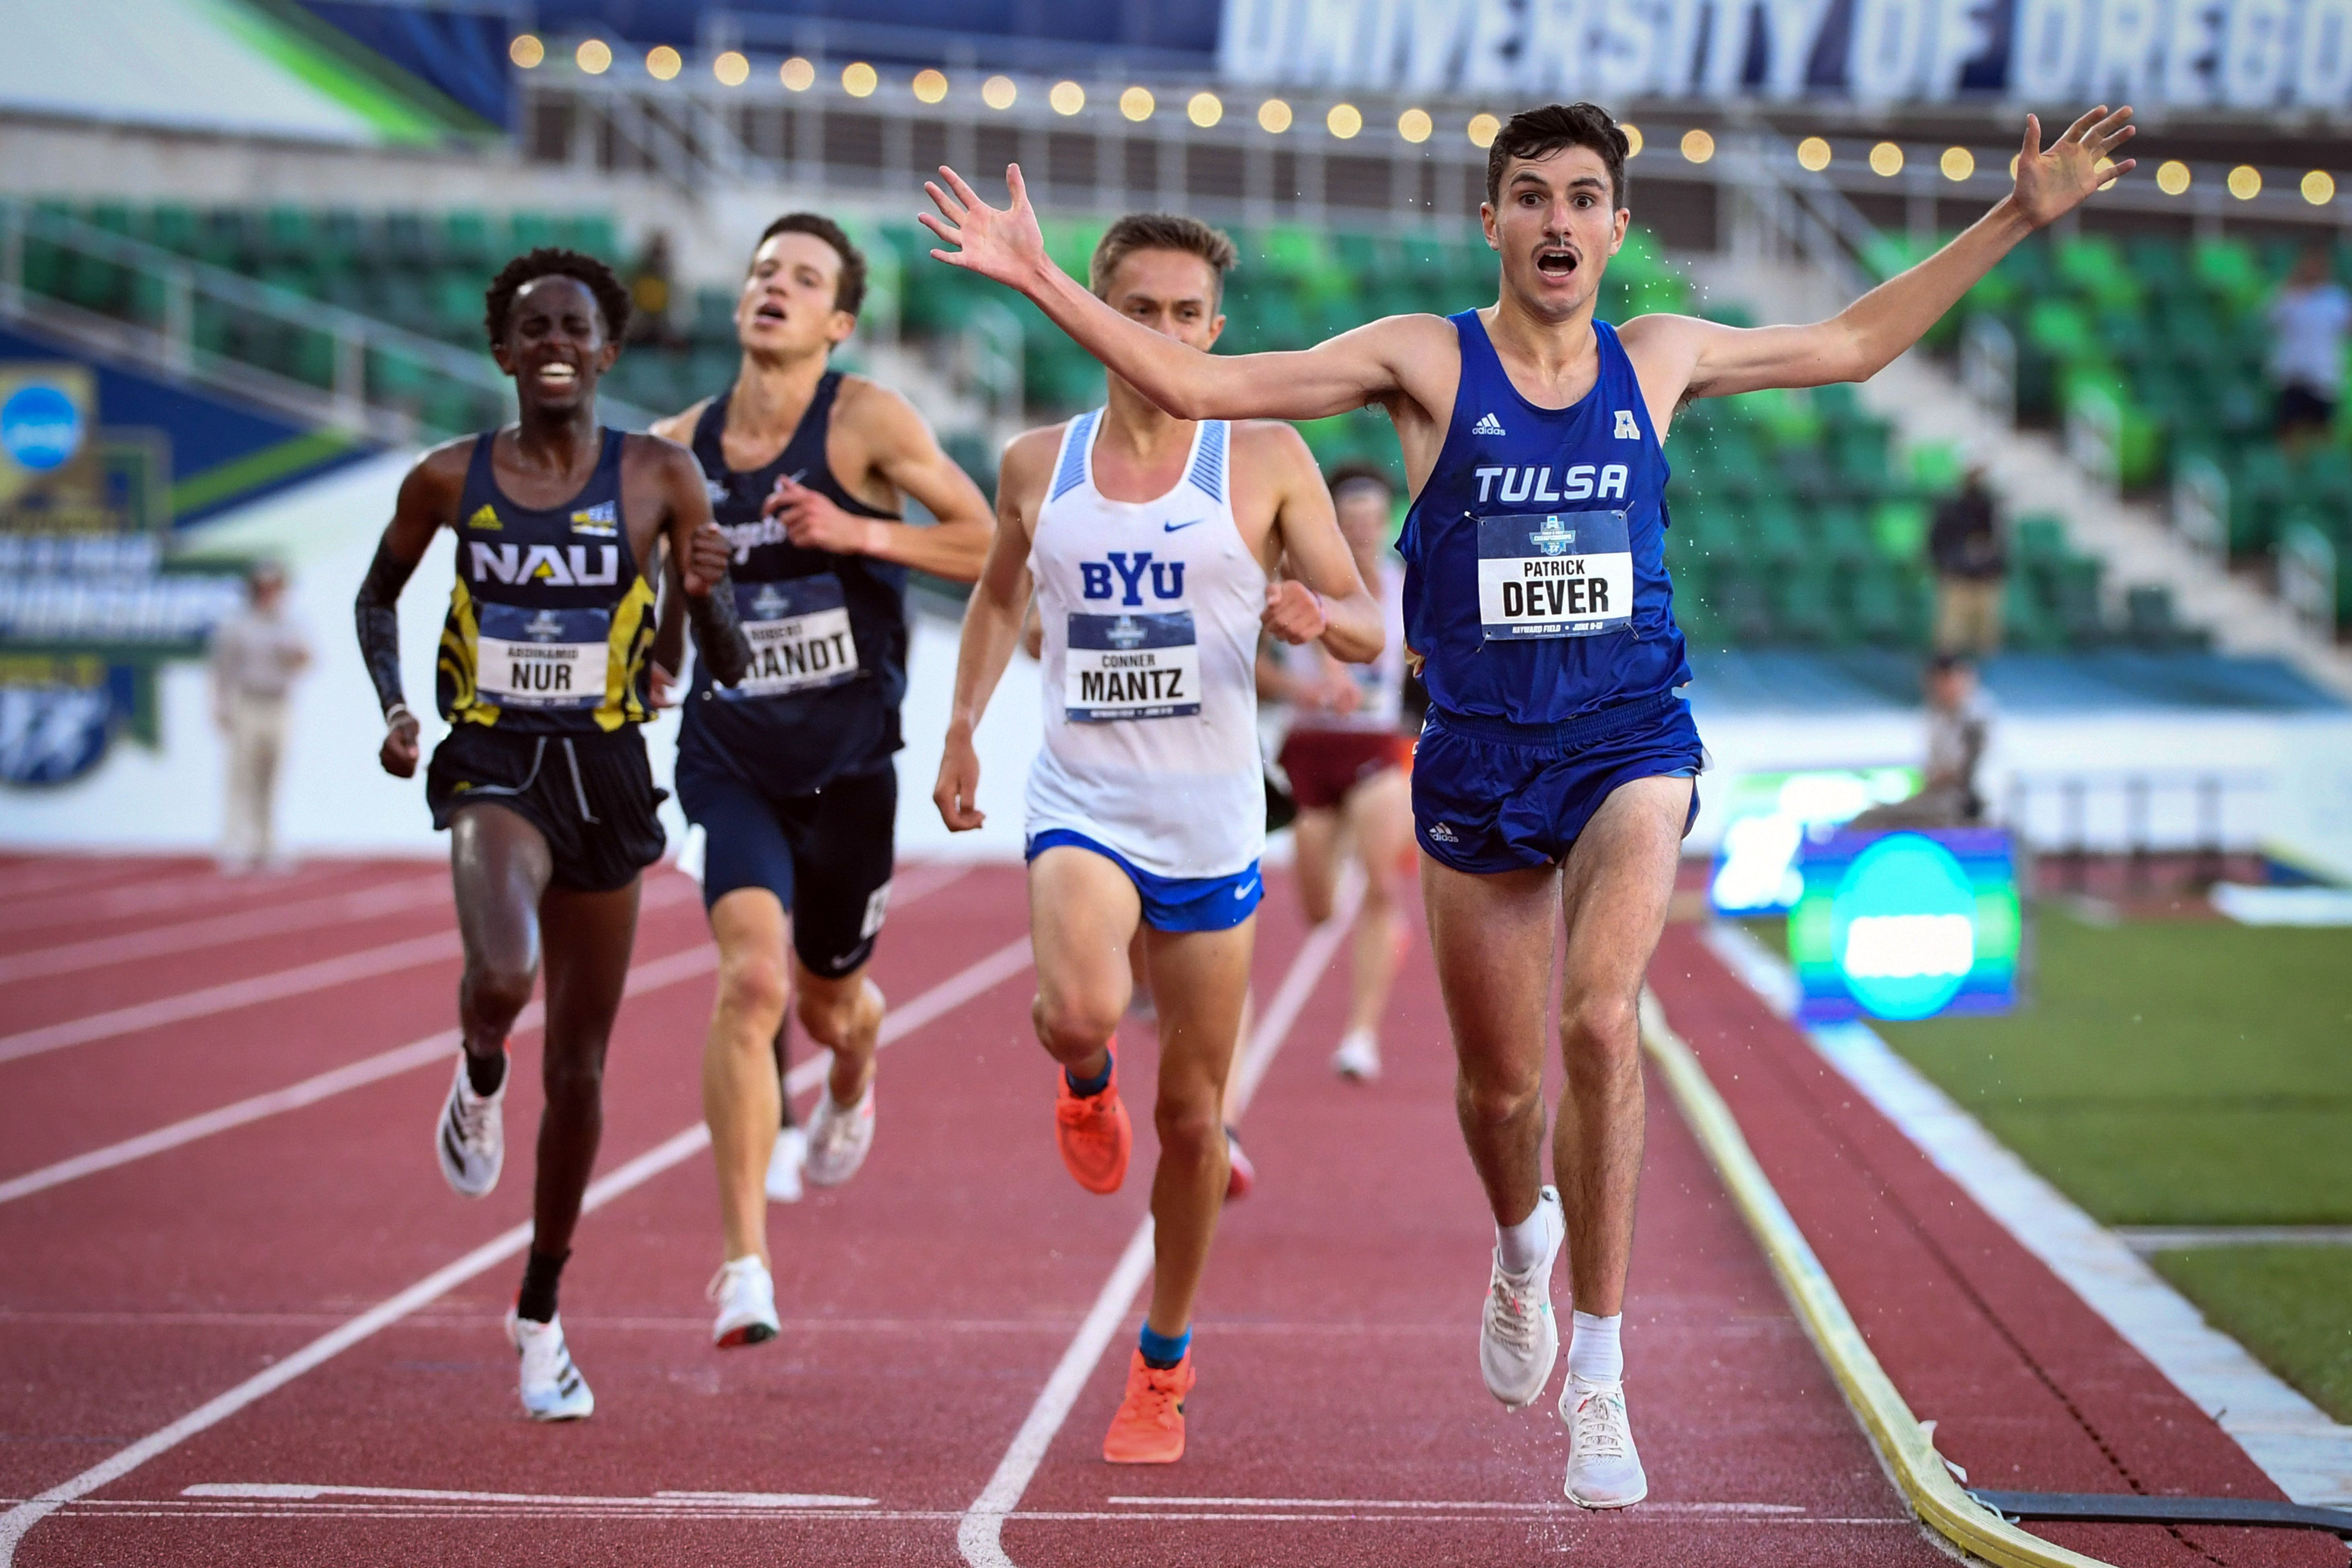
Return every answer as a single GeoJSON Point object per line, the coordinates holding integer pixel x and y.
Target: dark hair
{"type": "Point", "coordinates": [1540, 132]}
{"type": "Point", "coordinates": [1946, 663]}
{"type": "Point", "coordinates": [553, 261]}
{"type": "Point", "coordinates": [849, 285]}
{"type": "Point", "coordinates": [1358, 470]}
{"type": "Point", "coordinates": [1160, 231]}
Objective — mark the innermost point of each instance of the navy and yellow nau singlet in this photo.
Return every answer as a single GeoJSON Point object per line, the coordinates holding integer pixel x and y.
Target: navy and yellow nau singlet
{"type": "Point", "coordinates": [550, 624]}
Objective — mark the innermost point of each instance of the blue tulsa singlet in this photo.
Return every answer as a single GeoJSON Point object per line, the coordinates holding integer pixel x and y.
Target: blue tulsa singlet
{"type": "Point", "coordinates": [1535, 570]}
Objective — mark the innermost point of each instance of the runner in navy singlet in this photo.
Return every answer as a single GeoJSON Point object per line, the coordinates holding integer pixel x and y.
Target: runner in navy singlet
{"type": "Point", "coordinates": [790, 775]}
{"type": "Point", "coordinates": [542, 780]}
{"type": "Point", "coordinates": [1555, 776]}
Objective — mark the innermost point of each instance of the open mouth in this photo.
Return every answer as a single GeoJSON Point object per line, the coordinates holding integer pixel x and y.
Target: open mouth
{"type": "Point", "coordinates": [769, 313]}
{"type": "Point", "coordinates": [1556, 263]}
{"type": "Point", "coordinates": [558, 375]}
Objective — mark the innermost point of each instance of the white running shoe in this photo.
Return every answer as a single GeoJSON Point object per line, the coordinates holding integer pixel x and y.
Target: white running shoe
{"type": "Point", "coordinates": [784, 1166]}
{"type": "Point", "coordinates": [471, 1137]}
{"type": "Point", "coordinates": [553, 1388]}
{"type": "Point", "coordinates": [839, 1138]}
{"type": "Point", "coordinates": [1358, 1056]}
{"type": "Point", "coordinates": [1603, 1470]}
{"type": "Point", "coordinates": [746, 1297]}
{"type": "Point", "coordinates": [1519, 1338]}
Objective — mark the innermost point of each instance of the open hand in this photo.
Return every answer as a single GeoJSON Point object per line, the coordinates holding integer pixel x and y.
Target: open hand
{"type": "Point", "coordinates": [398, 753]}
{"type": "Point", "coordinates": [1002, 243]}
{"type": "Point", "coordinates": [814, 522]}
{"type": "Point", "coordinates": [2053, 182]}
{"type": "Point", "coordinates": [1292, 612]}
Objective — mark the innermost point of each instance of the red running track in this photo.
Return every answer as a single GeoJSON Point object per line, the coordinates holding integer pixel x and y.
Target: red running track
{"type": "Point", "coordinates": [2029, 1389]}
{"type": "Point", "coordinates": [1340, 1417]}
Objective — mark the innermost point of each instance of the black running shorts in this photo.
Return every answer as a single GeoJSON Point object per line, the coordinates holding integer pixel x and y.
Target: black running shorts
{"type": "Point", "coordinates": [592, 797]}
{"type": "Point", "coordinates": [826, 857]}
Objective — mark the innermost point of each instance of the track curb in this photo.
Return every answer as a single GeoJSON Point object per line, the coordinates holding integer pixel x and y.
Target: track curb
{"type": "Point", "coordinates": [1903, 1445]}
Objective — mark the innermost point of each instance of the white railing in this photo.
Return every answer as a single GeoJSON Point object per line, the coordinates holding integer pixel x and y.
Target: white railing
{"type": "Point", "coordinates": [1989, 367]}
{"type": "Point", "coordinates": [2306, 577]}
{"type": "Point", "coordinates": [2201, 506]}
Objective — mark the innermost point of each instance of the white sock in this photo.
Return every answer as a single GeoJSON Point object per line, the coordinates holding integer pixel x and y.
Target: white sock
{"type": "Point", "coordinates": [1594, 1353]}
{"type": "Point", "coordinates": [1523, 1245]}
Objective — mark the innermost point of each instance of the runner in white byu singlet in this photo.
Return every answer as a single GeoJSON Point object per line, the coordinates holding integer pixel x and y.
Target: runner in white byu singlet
{"type": "Point", "coordinates": [1151, 544]}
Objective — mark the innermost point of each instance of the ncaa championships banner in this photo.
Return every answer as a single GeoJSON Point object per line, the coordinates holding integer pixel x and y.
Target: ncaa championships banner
{"type": "Point", "coordinates": [2228, 56]}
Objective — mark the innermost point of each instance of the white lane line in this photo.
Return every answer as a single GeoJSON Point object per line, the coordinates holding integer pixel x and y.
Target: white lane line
{"type": "Point", "coordinates": [296, 1492]}
{"type": "Point", "coordinates": [942, 999]}
{"type": "Point", "coordinates": [979, 1534]}
{"type": "Point", "coordinates": [2144, 1239]}
{"type": "Point", "coordinates": [2304, 1451]}
{"type": "Point", "coordinates": [649, 976]}
{"type": "Point", "coordinates": [125, 898]}
{"type": "Point", "coordinates": [299, 981]}
{"type": "Point", "coordinates": [213, 931]}
{"type": "Point", "coordinates": [433, 1048]}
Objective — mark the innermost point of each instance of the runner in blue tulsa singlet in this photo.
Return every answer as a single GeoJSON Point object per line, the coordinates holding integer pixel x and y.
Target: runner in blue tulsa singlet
{"type": "Point", "coordinates": [1536, 594]}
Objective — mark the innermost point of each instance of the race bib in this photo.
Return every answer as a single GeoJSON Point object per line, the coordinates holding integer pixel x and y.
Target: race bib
{"type": "Point", "coordinates": [1131, 667]}
{"type": "Point", "coordinates": [540, 659]}
{"type": "Point", "coordinates": [800, 636]}
{"type": "Point", "coordinates": [1554, 575]}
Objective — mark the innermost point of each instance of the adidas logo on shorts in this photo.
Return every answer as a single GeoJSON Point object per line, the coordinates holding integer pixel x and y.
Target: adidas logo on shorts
{"type": "Point", "coordinates": [1438, 832]}
{"type": "Point", "coordinates": [1487, 425]}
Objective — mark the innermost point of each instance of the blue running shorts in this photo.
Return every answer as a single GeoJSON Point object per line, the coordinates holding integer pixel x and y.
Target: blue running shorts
{"type": "Point", "coordinates": [1173, 903]}
{"type": "Point", "coordinates": [1490, 795]}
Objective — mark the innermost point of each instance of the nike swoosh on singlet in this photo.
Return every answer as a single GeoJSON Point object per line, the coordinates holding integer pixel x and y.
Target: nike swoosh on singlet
{"type": "Point", "coordinates": [1179, 527]}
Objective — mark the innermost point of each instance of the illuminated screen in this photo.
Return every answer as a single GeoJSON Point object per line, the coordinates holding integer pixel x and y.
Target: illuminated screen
{"type": "Point", "coordinates": [1905, 925]}
{"type": "Point", "coordinates": [1766, 816]}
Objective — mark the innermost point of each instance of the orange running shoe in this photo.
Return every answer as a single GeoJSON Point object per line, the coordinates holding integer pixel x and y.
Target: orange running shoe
{"type": "Point", "coordinates": [1149, 1426]}
{"type": "Point", "coordinates": [1093, 1133]}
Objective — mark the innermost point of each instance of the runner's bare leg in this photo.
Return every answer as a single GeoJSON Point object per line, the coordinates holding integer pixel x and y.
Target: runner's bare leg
{"type": "Point", "coordinates": [1492, 938]}
{"type": "Point", "coordinates": [1201, 979]}
{"type": "Point", "coordinates": [741, 1093]}
{"type": "Point", "coordinates": [589, 936]}
{"type": "Point", "coordinates": [1614, 894]}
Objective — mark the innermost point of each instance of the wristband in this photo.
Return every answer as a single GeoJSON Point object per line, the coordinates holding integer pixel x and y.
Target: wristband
{"type": "Point", "coordinates": [395, 713]}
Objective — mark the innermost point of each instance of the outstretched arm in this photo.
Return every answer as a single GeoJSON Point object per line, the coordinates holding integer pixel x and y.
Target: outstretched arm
{"type": "Point", "coordinates": [992, 627]}
{"type": "Point", "coordinates": [1004, 243]}
{"type": "Point", "coordinates": [1681, 355]}
{"type": "Point", "coordinates": [427, 496]}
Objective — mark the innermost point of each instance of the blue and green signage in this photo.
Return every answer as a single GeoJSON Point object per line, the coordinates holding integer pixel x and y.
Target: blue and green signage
{"type": "Point", "coordinates": [1907, 925]}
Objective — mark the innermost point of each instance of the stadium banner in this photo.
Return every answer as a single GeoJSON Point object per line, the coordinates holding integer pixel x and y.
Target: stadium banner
{"type": "Point", "coordinates": [2262, 55]}
{"type": "Point", "coordinates": [88, 607]}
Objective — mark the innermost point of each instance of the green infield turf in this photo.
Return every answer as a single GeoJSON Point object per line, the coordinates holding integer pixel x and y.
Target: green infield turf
{"type": "Point", "coordinates": [2194, 1073]}
{"type": "Point", "coordinates": [2291, 1305]}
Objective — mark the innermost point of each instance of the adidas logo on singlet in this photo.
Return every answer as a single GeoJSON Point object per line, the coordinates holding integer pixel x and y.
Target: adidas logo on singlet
{"type": "Point", "coordinates": [1487, 425]}
{"type": "Point", "coordinates": [484, 517]}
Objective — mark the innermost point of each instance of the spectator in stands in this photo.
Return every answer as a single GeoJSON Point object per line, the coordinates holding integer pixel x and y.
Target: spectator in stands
{"type": "Point", "coordinates": [1964, 545]}
{"type": "Point", "coordinates": [255, 657]}
{"type": "Point", "coordinates": [1958, 725]}
{"type": "Point", "coordinates": [2308, 321]}
{"type": "Point", "coordinates": [649, 292]}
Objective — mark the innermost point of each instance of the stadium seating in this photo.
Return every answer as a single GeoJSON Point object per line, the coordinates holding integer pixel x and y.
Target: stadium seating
{"type": "Point", "coordinates": [2167, 341]}
{"type": "Point", "coordinates": [1794, 523]}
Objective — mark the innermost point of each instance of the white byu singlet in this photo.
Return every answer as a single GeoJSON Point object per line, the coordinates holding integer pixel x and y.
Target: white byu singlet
{"type": "Point", "coordinates": [1151, 612]}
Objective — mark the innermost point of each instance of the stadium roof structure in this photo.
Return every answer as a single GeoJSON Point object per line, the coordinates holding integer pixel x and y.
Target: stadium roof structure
{"type": "Point", "coordinates": [245, 67]}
